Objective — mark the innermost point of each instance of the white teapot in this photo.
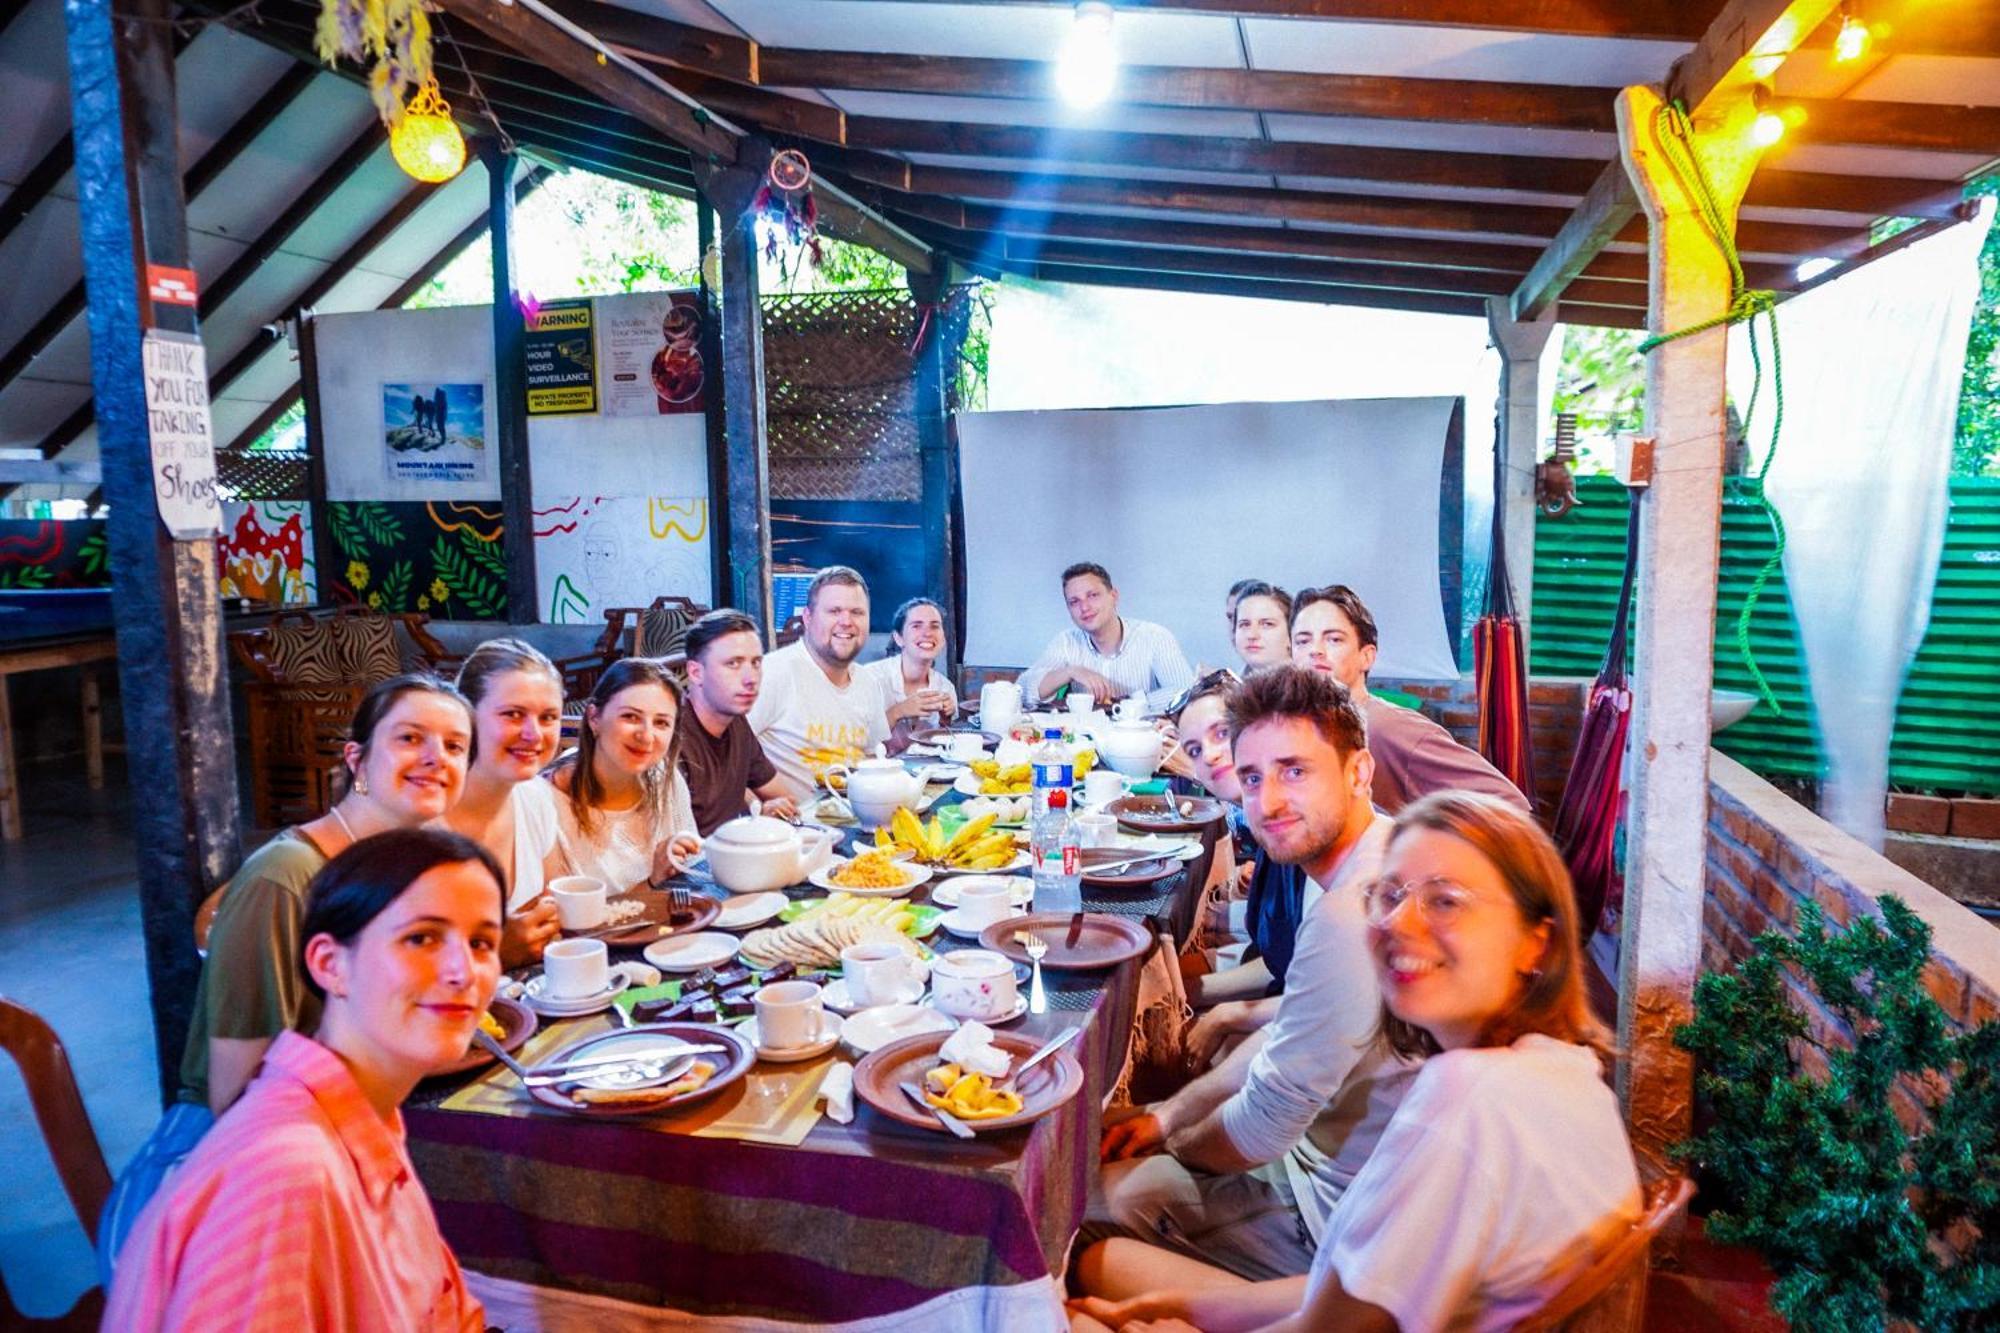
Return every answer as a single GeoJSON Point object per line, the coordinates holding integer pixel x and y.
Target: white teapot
{"type": "Point", "coordinates": [875, 787]}
{"type": "Point", "coordinates": [752, 853]}
{"type": "Point", "coordinates": [999, 706]}
{"type": "Point", "coordinates": [1131, 745]}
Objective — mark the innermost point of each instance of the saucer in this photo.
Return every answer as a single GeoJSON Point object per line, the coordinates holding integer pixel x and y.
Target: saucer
{"type": "Point", "coordinates": [829, 1036]}
{"type": "Point", "coordinates": [948, 892]}
{"type": "Point", "coordinates": [1020, 1007]}
{"type": "Point", "coordinates": [750, 909]}
{"type": "Point", "coordinates": [551, 1007]}
{"type": "Point", "coordinates": [691, 953]}
{"type": "Point", "coordinates": [837, 998]}
{"type": "Point", "coordinates": [956, 922]}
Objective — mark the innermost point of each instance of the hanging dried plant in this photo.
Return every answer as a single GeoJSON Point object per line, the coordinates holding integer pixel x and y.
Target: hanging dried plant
{"type": "Point", "coordinates": [391, 37]}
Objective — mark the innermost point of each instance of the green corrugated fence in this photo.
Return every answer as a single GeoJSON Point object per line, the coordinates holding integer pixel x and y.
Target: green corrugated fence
{"type": "Point", "coordinates": [1947, 734]}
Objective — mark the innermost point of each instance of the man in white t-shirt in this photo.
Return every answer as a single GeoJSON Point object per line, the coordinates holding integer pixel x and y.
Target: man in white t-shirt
{"type": "Point", "coordinates": [1258, 1150]}
{"type": "Point", "coordinates": [815, 710]}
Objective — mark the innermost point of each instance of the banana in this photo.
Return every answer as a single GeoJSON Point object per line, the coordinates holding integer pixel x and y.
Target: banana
{"type": "Point", "coordinates": [968, 833]}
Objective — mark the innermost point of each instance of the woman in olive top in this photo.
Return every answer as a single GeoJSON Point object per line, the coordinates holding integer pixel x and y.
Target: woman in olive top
{"type": "Point", "coordinates": [403, 767]}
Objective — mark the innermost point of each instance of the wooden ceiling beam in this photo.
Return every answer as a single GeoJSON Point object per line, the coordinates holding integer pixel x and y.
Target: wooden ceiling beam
{"type": "Point", "coordinates": [1319, 293]}
{"type": "Point", "coordinates": [1660, 20]}
{"type": "Point", "coordinates": [1746, 32]}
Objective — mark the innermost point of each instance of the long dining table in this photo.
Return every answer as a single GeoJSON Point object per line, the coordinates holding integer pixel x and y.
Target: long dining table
{"type": "Point", "coordinates": [730, 1215]}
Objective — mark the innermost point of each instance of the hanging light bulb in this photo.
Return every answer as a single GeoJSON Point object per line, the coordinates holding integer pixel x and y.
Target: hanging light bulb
{"type": "Point", "coordinates": [1851, 42]}
{"type": "Point", "coordinates": [1087, 69]}
{"type": "Point", "coordinates": [1769, 126]}
{"type": "Point", "coordinates": [427, 143]}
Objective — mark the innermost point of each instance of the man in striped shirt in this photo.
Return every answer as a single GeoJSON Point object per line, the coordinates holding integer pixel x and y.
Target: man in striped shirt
{"type": "Point", "coordinates": [1104, 654]}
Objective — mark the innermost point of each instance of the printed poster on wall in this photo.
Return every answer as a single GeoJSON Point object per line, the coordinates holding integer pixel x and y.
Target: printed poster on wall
{"type": "Point", "coordinates": [561, 359]}
{"type": "Point", "coordinates": [434, 433]}
{"type": "Point", "coordinates": [651, 343]}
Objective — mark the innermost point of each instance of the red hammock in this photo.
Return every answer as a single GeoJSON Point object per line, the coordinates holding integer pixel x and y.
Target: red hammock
{"type": "Point", "coordinates": [1586, 822]}
{"type": "Point", "coordinates": [1500, 665]}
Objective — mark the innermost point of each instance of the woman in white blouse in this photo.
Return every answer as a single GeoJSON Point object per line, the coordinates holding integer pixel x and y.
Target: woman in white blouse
{"type": "Point", "coordinates": [1506, 1168]}
{"type": "Point", "coordinates": [918, 693]}
{"type": "Point", "coordinates": [623, 816]}
{"type": "Point", "coordinates": [516, 696]}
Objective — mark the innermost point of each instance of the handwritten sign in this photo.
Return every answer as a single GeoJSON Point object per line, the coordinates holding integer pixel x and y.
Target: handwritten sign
{"type": "Point", "coordinates": [181, 434]}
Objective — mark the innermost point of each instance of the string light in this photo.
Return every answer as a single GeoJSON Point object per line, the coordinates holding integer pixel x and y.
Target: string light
{"type": "Point", "coordinates": [1851, 43]}
{"type": "Point", "coordinates": [1088, 67]}
{"type": "Point", "coordinates": [426, 143]}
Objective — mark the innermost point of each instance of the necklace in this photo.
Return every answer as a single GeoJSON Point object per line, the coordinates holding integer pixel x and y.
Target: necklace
{"type": "Point", "coordinates": [345, 827]}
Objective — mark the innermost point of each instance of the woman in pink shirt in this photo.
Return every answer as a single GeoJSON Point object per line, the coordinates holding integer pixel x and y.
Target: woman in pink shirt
{"type": "Point", "coordinates": [300, 1209]}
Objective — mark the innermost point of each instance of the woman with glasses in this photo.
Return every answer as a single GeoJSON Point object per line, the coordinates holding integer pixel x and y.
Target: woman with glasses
{"type": "Point", "coordinates": [1504, 1170]}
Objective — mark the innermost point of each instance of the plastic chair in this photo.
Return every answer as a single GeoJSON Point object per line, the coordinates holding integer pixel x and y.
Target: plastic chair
{"type": "Point", "coordinates": [1611, 1293]}
{"type": "Point", "coordinates": [71, 1141]}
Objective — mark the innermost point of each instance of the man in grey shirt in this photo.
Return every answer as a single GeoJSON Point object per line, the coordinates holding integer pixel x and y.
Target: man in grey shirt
{"type": "Point", "coordinates": [1334, 634]}
{"type": "Point", "coordinates": [1258, 1150]}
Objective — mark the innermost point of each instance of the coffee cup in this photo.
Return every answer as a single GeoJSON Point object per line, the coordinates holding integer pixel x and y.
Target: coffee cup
{"type": "Point", "coordinates": [574, 969]}
{"type": "Point", "coordinates": [788, 1014]}
{"type": "Point", "coordinates": [982, 903]}
{"type": "Point", "coordinates": [580, 901]}
{"type": "Point", "coordinates": [964, 746]}
{"type": "Point", "coordinates": [1080, 701]}
{"type": "Point", "coordinates": [1095, 830]}
{"type": "Point", "coordinates": [974, 983]}
{"type": "Point", "coordinates": [1101, 786]}
{"type": "Point", "coordinates": [877, 973]}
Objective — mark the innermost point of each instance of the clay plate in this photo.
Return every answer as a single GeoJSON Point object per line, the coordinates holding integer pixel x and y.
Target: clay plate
{"type": "Point", "coordinates": [519, 1021]}
{"type": "Point", "coordinates": [732, 1067]}
{"type": "Point", "coordinates": [645, 928]}
{"type": "Point", "coordinates": [1105, 941]}
{"type": "Point", "coordinates": [1162, 814]}
{"type": "Point", "coordinates": [1045, 1088]}
{"type": "Point", "coordinates": [1138, 875]}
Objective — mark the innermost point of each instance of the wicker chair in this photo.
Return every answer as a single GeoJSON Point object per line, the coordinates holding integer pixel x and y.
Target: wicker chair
{"type": "Point", "coordinates": [1610, 1295]}
{"type": "Point", "coordinates": [307, 674]}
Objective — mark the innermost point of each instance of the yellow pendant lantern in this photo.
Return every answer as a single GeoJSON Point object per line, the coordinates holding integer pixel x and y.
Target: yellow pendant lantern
{"type": "Point", "coordinates": [426, 143]}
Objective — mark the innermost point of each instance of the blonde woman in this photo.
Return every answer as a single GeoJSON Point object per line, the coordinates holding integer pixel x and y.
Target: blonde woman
{"type": "Point", "coordinates": [1505, 1168]}
{"type": "Point", "coordinates": [623, 816]}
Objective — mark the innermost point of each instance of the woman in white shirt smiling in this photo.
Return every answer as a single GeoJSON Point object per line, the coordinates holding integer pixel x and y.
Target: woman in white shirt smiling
{"type": "Point", "coordinates": [623, 814]}
{"type": "Point", "coordinates": [1506, 1168]}
{"type": "Point", "coordinates": [919, 695]}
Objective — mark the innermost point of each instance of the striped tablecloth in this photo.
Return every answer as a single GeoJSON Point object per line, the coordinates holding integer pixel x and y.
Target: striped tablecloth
{"type": "Point", "coordinates": [868, 1226]}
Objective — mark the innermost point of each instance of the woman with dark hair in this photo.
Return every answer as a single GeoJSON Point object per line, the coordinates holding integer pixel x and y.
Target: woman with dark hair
{"type": "Point", "coordinates": [516, 697]}
{"type": "Point", "coordinates": [403, 766]}
{"type": "Point", "coordinates": [623, 815]}
{"type": "Point", "coordinates": [1505, 1168]}
{"type": "Point", "coordinates": [1261, 626]}
{"type": "Point", "coordinates": [301, 1209]}
{"type": "Point", "coordinates": [919, 694]}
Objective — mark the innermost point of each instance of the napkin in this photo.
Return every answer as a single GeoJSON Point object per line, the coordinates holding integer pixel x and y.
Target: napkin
{"type": "Point", "coordinates": [971, 1048]}
{"type": "Point", "coordinates": [838, 1090]}
{"type": "Point", "coordinates": [1155, 787]}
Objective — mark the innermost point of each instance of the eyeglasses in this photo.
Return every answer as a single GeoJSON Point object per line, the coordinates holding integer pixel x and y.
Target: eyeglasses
{"type": "Point", "coordinates": [1220, 678]}
{"type": "Point", "coordinates": [1441, 902]}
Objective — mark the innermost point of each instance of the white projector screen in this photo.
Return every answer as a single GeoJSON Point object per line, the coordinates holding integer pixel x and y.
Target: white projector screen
{"type": "Point", "coordinates": [1180, 502]}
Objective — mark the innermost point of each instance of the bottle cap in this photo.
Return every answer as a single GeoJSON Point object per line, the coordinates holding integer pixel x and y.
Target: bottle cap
{"type": "Point", "coordinates": [1052, 734]}
{"type": "Point", "coordinates": [1058, 799]}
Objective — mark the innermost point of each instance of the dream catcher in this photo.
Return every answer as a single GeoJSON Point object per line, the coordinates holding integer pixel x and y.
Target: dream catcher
{"type": "Point", "coordinates": [786, 200]}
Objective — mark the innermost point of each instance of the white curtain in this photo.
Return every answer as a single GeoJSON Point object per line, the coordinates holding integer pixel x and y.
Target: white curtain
{"type": "Point", "coordinates": [1872, 366]}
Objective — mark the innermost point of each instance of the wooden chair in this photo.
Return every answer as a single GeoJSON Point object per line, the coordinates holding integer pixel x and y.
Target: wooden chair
{"type": "Point", "coordinates": [657, 630]}
{"type": "Point", "coordinates": [72, 1144]}
{"type": "Point", "coordinates": [306, 675]}
{"type": "Point", "coordinates": [1611, 1293]}
{"type": "Point", "coordinates": [791, 632]}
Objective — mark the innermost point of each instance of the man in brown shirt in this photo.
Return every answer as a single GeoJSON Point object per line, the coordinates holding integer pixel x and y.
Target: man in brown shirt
{"type": "Point", "coordinates": [720, 755]}
{"type": "Point", "coordinates": [1333, 632]}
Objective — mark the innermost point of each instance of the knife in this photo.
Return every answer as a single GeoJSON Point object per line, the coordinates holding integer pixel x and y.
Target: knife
{"type": "Point", "coordinates": [1049, 1048]}
{"type": "Point", "coordinates": [1075, 931]}
{"type": "Point", "coordinates": [646, 1058]}
{"type": "Point", "coordinates": [945, 1118]}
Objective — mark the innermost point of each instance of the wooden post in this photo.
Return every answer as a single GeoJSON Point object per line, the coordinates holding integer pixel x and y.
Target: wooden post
{"type": "Point", "coordinates": [325, 552]}
{"type": "Point", "coordinates": [1674, 632]}
{"type": "Point", "coordinates": [93, 729]}
{"type": "Point", "coordinates": [937, 363]}
{"type": "Point", "coordinates": [510, 390]}
{"type": "Point", "coordinates": [1518, 438]}
{"type": "Point", "coordinates": [714, 400]}
{"type": "Point", "coordinates": [166, 592]}
{"type": "Point", "coordinates": [749, 465]}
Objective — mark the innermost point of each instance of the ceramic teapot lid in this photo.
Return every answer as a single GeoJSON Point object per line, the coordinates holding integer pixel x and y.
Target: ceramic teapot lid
{"type": "Point", "coordinates": [753, 831]}
{"type": "Point", "coordinates": [879, 764]}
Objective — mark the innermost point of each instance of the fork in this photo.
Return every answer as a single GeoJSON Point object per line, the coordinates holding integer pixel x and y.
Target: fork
{"type": "Point", "coordinates": [1038, 999]}
{"type": "Point", "coordinates": [680, 901]}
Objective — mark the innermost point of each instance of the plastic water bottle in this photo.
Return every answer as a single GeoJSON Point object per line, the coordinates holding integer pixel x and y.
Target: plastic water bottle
{"type": "Point", "coordinates": [1058, 857]}
{"type": "Point", "coordinates": [1055, 770]}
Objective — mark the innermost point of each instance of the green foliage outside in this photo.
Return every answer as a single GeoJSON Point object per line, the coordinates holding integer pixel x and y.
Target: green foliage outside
{"type": "Point", "coordinates": [1862, 1219]}
{"type": "Point", "coordinates": [1602, 377]}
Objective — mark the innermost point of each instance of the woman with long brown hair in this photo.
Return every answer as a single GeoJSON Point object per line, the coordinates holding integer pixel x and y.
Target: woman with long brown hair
{"type": "Point", "coordinates": [1505, 1168]}
{"type": "Point", "coordinates": [623, 814]}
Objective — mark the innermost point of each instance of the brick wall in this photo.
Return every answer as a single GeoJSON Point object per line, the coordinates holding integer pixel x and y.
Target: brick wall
{"type": "Point", "coordinates": [1555, 712]}
{"type": "Point", "coordinates": [1767, 854]}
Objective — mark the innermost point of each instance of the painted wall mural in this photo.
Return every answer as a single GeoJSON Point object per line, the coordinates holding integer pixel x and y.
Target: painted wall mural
{"type": "Point", "coordinates": [53, 553]}
{"type": "Point", "coordinates": [602, 551]}
{"type": "Point", "coordinates": [265, 552]}
{"type": "Point", "coordinates": [442, 558]}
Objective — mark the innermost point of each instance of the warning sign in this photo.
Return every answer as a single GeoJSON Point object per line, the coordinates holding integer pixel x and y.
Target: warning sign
{"type": "Point", "coordinates": [561, 359]}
